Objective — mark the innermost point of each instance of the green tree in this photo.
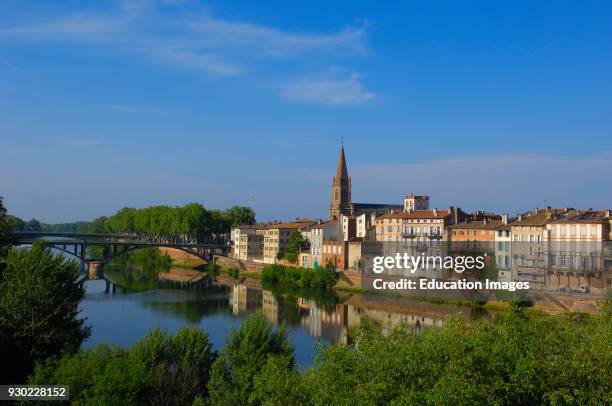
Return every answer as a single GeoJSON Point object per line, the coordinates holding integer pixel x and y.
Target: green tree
{"type": "Point", "coordinates": [7, 224]}
{"type": "Point", "coordinates": [278, 383]}
{"type": "Point", "coordinates": [39, 298]}
{"type": "Point", "coordinates": [160, 369]}
{"type": "Point", "coordinates": [97, 226]}
{"type": "Point", "coordinates": [32, 225]}
{"type": "Point", "coordinates": [237, 215]}
{"type": "Point", "coordinates": [515, 359]}
{"type": "Point", "coordinates": [180, 364]}
{"type": "Point", "coordinates": [246, 353]}
{"type": "Point", "coordinates": [292, 249]}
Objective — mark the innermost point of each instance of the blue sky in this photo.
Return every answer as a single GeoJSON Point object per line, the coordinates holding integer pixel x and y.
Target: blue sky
{"type": "Point", "coordinates": [501, 106]}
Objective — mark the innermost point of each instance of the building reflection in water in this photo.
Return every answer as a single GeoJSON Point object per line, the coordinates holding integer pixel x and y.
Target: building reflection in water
{"type": "Point", "coordinates": [332, 322]}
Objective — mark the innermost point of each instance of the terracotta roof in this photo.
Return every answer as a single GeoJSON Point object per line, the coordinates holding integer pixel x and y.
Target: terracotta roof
{"type": "Point", "coordinates": [479, 225]}
{"type": "Point", "coordinates": [582, 216]}
{"type": "Point", "coordinates": [539, 218]}
{"type": "Point", "coordinates": [290, 225]}
{"type": "Point", "coordinates": [416, 214]}
{"type": "Point", "coordinates": [323, 224]}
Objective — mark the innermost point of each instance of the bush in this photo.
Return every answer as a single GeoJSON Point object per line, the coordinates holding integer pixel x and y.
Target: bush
{"type": "Point", "coordinates": [298, 278]}
{"type": "Point", "coordinates": [233, 272]}
{"type": "Point", "coordinates": [247, 352]}
{"type": "Point", "coordinates": [213, 269]}
{"type": "Point", "coordinates": [159, 369]}
{"type": "Point", "coordinates": [513, 360]}
{"type": "Point", "coordinates": [291, 256]}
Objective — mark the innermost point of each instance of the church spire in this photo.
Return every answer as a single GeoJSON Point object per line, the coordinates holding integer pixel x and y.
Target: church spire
{"type": "Point", "coordinates": [341, 172]}
{"type": "Point", "coordinates": [341, 189]}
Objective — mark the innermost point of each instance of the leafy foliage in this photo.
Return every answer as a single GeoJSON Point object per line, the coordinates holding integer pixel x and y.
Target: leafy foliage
{"type": "Point", "coordinates": [513, 360]}
{"type": "Point", "coordinates": [160, 223]}
{"type": "Point", "coordinates": [293, 246]}
{"type": "Point", "coordinates": [281, 276]}
{"type": "Point", "coordinates": [39, 298]}
{"type": "Point", "coordinates": [246, 353]}
{"type": "Point", "coordinates": [233, 272]}
{"type": "Point", "coordinates": [190, 222]}
{"type": "Point", "coordinates": [7, 225]}
{"type": "Point", "coordinates": [160, 369]}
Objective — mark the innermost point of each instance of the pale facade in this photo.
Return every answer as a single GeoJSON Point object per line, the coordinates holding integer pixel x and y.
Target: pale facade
{"type": "Point", "coordinates": [326, 231]}
{"type": "Point", "coordinates": [276, 237]}
{"type": "Point", "coordinates": [235, 234]}
{"type": "Point", "coordinates": [414, 202]}
{"type": "Point", "coordinates": [251, 246]}
{"type": "Point", "coordinates": [503, 251]}
{"type": "Point", "coordinates": [575, 243]}
{"type": "Point", "coordinates": [529, 260]}
{"type": "Point", "coordinates": [416, 226]}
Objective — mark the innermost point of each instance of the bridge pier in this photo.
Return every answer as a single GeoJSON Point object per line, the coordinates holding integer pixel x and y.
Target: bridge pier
{"type": "Point", "coordinates": [94, 269]}
{"type": "Point", "coordinates": [110, 287]}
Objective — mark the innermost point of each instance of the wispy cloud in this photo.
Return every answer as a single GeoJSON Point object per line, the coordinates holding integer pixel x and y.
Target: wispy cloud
{"type": "Point", "coordinates": [191, 38]}
{"type": "Point", "coordinates": [190, 57]}
{"type": "Point", "coordinates": [334, 88]}
{"type": "Point", "coordinates": [271, 41]}
{"type": "Point", "coordinates": [80, 142]}
{"type": "Point", "coordinates": [79, 27]}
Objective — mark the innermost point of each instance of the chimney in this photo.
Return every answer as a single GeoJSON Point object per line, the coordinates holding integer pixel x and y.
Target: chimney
{"type": "Point", "coordinates": [485, 221]}
{"type": "Point", "coordinates": [520, 217]}
{"type": "Point", "coordinates": [504, 218]}
{"type": "Point", "coordinates": [607, 214]}
{"type": "Point", "coordinates": [435, 212]}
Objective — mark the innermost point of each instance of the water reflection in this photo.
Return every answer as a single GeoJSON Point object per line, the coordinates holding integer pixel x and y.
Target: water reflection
{"type": "Point", "coordinates": [134, 300]}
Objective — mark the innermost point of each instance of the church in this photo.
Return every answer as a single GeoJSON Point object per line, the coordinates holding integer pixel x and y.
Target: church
{"type": "Point", "coordinates": [341, 203]}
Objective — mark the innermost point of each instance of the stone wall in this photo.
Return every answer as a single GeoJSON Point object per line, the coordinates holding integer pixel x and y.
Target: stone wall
{"type": "Point", "coordinates": [243, 265]}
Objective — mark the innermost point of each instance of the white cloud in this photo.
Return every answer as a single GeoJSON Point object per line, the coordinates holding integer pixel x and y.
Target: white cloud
{"type": "Point", "coordinates": [334, 88]}
{"type": "Point", "coordinates": [276, 42]}
{"type": "Point", "coordinates": [80, 27]}
{"type": "Point", "coordinates": [215, 65]}
{"type": "Point", "coordinates": [190, 39]}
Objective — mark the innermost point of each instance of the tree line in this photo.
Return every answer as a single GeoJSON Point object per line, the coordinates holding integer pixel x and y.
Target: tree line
{"type": "Point", "coordinates": [191, 222]}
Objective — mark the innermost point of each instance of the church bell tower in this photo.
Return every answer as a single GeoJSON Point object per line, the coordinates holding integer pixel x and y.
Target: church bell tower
{"type": "Point", "coordinates": [341, 190]}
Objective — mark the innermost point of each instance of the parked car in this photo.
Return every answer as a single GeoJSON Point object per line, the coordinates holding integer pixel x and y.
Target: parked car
{"type": "Point", "coordinates": [584, 289]}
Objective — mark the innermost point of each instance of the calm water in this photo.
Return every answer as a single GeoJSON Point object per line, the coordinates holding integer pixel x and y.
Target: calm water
{"type": "Point", "coordinates": [121, 316]}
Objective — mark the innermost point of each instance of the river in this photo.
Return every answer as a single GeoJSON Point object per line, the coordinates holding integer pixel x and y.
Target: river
{"type": "Point", "coordinates": [120, 315]}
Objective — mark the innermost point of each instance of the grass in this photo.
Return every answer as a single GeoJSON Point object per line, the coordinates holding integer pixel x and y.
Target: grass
{"type": "Point", "coordinates": [349, 289]}
{"type": "Point", "coordinates": [187, 263]}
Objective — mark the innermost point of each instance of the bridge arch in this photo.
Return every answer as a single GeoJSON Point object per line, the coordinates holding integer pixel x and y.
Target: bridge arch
{"type": "Point", "coordinates": [204, 255]}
